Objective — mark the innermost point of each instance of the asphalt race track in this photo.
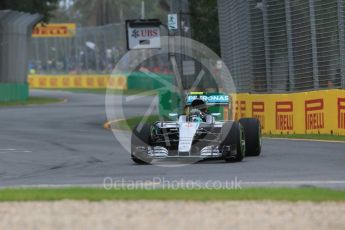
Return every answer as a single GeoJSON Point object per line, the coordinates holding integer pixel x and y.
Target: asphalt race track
{"type": "Point", "coordinates": [65, 144]}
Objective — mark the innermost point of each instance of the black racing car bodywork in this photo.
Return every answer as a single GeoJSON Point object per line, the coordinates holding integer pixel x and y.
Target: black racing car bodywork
{"type": "Point", "coordinates": [196, 135]}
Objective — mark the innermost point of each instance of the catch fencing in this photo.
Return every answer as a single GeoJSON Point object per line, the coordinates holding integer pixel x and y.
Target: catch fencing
{"type": "Point", "coordinates": [93, 50]}
{"type": "Point", "coordinates": [283, 45]}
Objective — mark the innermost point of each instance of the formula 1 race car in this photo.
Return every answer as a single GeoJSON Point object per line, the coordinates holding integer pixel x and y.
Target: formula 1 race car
{"type": "Point", "coordinates": [197, 135]}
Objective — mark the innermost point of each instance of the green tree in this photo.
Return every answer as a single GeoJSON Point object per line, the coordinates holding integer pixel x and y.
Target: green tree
{"type": "Point", "coordinates": [44, 7]}
{"type": "Point", "coordinates": [102, 12]}
{"type": "Point", "coordinates": [204, 21]}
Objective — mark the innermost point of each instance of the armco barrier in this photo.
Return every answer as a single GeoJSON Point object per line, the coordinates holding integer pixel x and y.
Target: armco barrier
{"type": "Point", "coordinates": [300, 113]}
{"type": "Point", "coordinates": [77, 81]}
{"type": "Point", "coordinates": [135, 81]}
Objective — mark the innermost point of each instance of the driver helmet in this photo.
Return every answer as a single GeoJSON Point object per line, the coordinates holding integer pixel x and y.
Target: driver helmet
{"type": "Point", "coordinates": [196, 115]}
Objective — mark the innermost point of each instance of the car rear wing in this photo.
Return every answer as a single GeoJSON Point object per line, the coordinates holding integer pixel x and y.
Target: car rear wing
{"type": "Point", "coordinates": [209, 98]}
{"type": "Point", "coordinates": [216, 102]}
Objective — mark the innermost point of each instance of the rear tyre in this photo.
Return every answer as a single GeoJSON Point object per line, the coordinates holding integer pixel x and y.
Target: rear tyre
{"type": "Point", "coordinates": [232, 134]}
{"type": "Point", "coordinates": [252, 129]}
{"type": "Point", "coordinates": [141, 137]}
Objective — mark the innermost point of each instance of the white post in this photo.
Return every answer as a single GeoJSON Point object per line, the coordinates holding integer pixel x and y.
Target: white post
{"type": "Point", "coordinates": [142, 9]}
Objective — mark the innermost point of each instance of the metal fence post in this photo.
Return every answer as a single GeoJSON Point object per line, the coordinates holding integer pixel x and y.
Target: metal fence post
{"type": "Point", "coordinates": [249, 34]}
{"type": "Point", "coordinates": [267, 46]}
{"type": "Point", "coordinates": [290, 45]}
{"type": "Point", "coordinates": [341, 41]}
{"type": "Point", "coordinates": [96, 51]}
{"type": "Point", "coordinates": [20, 28]}
{"type": "Point", "coordinates": [8, 46]}
{"type": "Point", "coordinates": [314, 44]}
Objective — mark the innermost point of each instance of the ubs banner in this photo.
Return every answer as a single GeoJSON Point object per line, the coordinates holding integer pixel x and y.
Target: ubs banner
{"type": "Point", "coordinates": [309, 112]}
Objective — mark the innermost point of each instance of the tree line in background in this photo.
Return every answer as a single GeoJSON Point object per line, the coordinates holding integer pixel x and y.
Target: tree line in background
{"type": "Point", "coordinates": [85, 12]}
{"type": "Point", "coordinates": [44, 7]}
{"type": "Point", "coordinates": [205, 25]}
{"type": "Point", "coordinates": [103, 12]}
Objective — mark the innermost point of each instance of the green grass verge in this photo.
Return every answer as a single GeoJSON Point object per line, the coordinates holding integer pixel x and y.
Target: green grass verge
{"type": "Point", "coordinates": [32, 101]}
{"type": "Point", "coordinates": [98, 194]}
{"type": "Point", "coordinates": [326, 137]}
{"type": "Point", "coordinates": [114, 91]}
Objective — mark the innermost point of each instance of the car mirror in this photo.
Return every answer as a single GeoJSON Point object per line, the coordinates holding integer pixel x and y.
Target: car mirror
{"type": "Point", "coordinates": [173, 115]}
{"type": "Point", "coordinates": [215, 114]}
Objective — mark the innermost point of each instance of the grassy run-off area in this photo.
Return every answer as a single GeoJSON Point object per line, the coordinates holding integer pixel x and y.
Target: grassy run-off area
{"type": "Point", "coordinates": [99, 194]}
{"type": "Point", "coordinates": [131, 122]}
{"type": "Point", "coordinates": [32, 101]}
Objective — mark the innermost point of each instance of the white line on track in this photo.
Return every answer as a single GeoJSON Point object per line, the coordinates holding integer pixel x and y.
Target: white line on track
{"type": "Point", "coordinates": [14, 151]}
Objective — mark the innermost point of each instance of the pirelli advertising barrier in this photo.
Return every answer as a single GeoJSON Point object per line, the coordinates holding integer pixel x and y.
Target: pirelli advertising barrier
{"type": "Point", "coordinates": [78, 81]}
{"type": "Point", "coordinates": [135, 80]}
{"type": "Point", "coordinates": [300, 113]}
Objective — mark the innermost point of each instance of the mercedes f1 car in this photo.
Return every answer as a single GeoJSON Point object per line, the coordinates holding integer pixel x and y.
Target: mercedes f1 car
{"type": "Point", "coordinates": [197, 134]}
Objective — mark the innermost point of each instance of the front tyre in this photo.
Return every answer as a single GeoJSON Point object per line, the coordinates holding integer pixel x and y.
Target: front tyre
{"type": "Point", "coordinates": [252, 129]}
{"type": "Point", "coordinates": [232, 135]}
{"type": "Point", "coordinates": [141, 139]}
